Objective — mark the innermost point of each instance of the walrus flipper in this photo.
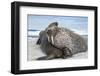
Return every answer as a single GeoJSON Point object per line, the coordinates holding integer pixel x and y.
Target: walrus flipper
{"type": "Point", "coordinates": [38, 41]}
{"type": "Point", "coordinates": [66, 53]}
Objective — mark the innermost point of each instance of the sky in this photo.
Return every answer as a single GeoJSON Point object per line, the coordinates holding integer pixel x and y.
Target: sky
{"type": "Point", "coordinates": [74, 23]}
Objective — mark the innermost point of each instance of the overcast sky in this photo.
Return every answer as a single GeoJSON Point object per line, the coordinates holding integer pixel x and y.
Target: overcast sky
{"type": "Point", "coordinates": [76, 23]}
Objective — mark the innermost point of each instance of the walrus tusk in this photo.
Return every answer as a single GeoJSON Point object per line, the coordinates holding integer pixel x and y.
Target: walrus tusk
{"type": "Point", "coordinates": [52, 41]}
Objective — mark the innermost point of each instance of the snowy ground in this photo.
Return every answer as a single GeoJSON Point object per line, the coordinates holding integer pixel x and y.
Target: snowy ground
{"type": "Point", "coordinates": [35, 52]}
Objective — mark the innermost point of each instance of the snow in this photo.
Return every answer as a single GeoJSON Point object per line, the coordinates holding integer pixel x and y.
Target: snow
{"type": "Point", "coordinates": [33, 33]}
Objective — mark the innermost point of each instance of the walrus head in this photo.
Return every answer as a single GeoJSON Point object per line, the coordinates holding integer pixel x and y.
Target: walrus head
{"type": "Point", "coordinates": [51, 31]}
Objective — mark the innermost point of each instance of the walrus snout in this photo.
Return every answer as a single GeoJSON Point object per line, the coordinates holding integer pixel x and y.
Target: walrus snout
{"type": "Point", "coordinates": [50, 39]}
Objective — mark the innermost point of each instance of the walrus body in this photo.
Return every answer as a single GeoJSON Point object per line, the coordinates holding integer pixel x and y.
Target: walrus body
{"type": "Point", "coordinates": [60, 42]}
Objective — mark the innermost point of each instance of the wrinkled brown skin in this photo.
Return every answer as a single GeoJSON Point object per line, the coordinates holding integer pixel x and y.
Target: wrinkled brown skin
{"type": "Point", "coordinates": [51, 51]}
{"type": "Point", "coordinates": [72, 43]}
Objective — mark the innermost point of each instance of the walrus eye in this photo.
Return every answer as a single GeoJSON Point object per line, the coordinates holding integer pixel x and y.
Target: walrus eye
{"type": "Point", "coordinates": [49, 32]}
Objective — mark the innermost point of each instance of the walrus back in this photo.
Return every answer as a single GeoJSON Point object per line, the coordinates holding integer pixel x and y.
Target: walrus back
{"type": "Point", "coordinates": [79, 43]}
{"type": "Point", "coordinates": [71, 40]}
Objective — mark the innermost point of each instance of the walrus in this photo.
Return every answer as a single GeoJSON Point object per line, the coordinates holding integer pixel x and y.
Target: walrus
{"type": "Point", "coordinates": [51, 51]}
{"type": "Point", "coordinates": [65, 39]}
{"type": "Point", "coordinates": [58, 42]}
